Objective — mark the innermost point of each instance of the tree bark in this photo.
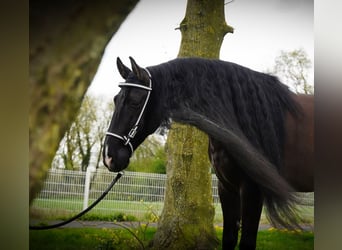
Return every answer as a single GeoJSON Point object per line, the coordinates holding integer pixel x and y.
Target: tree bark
{"type": "Point", "coordinates": [187, 218]}
{"type": "Point", "coordinates": [67, 40]}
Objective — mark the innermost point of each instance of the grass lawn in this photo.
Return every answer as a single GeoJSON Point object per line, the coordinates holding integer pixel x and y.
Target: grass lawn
{"type": "Point", "coordinates": [89, 238]}
{"type": "Point", "coordinates": [107, 210]}
{"type": "Point", "coordinates": [100, 239]}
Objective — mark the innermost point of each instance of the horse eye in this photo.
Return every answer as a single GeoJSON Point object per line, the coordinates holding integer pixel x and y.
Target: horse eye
{"type": "Point", "coordinates": [134, 102]}
{"type": "Point", "coordinates": [135, 98]}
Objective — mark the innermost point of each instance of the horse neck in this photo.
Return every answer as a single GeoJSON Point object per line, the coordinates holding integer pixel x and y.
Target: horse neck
{"type": "Point", "coordinates": [176, 85]}
{"type": "Point", "coordinates": [183, 88]}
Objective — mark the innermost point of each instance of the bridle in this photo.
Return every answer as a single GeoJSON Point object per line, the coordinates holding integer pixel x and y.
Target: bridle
{"type": "Point", "coordinates": [131, 134]}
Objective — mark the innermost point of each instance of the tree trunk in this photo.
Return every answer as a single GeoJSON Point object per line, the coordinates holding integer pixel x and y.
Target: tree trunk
{"type": "Point", "coordinates": [187, 218]}
{"type": "Point", "coordinates": [67, 40]}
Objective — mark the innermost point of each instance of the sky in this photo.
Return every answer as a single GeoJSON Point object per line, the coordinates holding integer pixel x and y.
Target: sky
{"type": "Point", "coordinates": [261, 30]}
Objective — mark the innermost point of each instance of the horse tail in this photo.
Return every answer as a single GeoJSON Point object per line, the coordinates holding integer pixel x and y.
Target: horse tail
{"type": "Point", "coordinates": [279, 197]}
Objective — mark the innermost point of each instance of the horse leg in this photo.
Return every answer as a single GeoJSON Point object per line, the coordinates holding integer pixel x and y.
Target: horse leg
{"type": "Point", "coordinates": [251, 203]}
{"type": "Point", "coordinates": [228, 186]}
{"type": "Point", "coordinates": [230, 203]}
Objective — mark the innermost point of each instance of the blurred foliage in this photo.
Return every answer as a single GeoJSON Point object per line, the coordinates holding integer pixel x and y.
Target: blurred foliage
{"type": "Point", "coordinates": [150, 157]}
{"type": "Point", "coordinates": [83, 142]}
{"type": "Point", "coordinates": [292, 67]}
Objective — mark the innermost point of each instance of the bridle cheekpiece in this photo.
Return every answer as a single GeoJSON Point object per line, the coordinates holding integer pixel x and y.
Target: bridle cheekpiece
{"type": "Point", "coordinates": [131, 134]}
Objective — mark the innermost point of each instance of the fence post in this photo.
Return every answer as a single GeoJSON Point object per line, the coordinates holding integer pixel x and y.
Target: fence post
{"type": "Point", "coordinates": [90, 170]}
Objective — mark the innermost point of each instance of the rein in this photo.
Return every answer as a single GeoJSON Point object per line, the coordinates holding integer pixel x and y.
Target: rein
{"type": "Point", "coordinates": [131, 134]}
{"type": "Point", "coordinates": [117, 177]}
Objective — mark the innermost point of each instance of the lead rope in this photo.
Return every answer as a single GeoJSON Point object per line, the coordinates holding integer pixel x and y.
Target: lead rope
{"type": "Point", "coordinates": [117, 177]}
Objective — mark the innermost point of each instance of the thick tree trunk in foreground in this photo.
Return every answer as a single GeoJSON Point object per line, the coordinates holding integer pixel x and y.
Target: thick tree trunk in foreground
{"type": "Point", "coordinates": [67, 40]}
{"type": "Point", "coordinates": [187, 218]}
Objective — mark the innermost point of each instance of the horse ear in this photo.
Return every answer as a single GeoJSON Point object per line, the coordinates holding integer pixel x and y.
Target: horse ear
{"type": "Point", "coordinates": [124, 71]}
{"type": "Point", "coordinates": [139, 72]}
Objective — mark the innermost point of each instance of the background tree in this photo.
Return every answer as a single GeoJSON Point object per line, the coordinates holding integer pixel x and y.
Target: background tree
{"type": "Point", "coordinates": [85, 121]}
{"type": "Point", "coordinates": [83, 142]}
{"type": "Point", "coordinates": [68, 154]}
{"type": "Point", "coordinates": [67, 40]}
{"type": "Point", "coordinates": [292, 67]}
{"type": "Point", "coordinates": [187, 218]}
{"type": "Point", "coordinates": [150, 156]}
{"type": "Point", "coordinates": [104, 115]}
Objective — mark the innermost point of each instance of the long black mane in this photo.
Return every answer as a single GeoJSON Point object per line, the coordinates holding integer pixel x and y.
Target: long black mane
{"type": "Point", "coordinates": [228, 101]}
{"type": "Point", "coordinates": [250, 103]}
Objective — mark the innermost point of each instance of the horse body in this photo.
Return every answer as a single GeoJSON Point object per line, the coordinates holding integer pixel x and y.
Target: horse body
{"type": "Point", "coordinates": [261, 134]}
{"type": "Point", "coordinates": [299, 147]}
{"type": "Point", "coordinates": [240, 198]}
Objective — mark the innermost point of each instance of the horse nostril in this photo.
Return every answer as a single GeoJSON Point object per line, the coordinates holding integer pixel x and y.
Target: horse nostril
{"type": "Point", "coordinates": [107, 158]}
{"type": "Point", "coordinates": [108, 161]}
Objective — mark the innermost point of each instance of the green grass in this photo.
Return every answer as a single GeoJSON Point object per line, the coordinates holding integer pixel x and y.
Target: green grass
{"type": "Point", "coordinates": [88, 238]}
{"type": "Point", "coordinates": [77, 238]}
{"type": "Point", "coordinates": [105, 206]}
{"type": "Point", "coordinates": [285, 240]}
{"type": "Point", "coordinates": [108, 210]}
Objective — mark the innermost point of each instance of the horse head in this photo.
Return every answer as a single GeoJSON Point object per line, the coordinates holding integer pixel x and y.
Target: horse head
{"type": "Point", "coordinates": [131, 122]}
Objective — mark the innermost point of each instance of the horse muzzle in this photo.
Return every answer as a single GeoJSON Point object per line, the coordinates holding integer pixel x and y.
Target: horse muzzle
{"type": "Point", "coordinates": [118, 162]}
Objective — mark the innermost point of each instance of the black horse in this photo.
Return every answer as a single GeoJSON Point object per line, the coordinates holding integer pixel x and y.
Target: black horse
{"type": "Point", "coordinates": [261, 134]}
